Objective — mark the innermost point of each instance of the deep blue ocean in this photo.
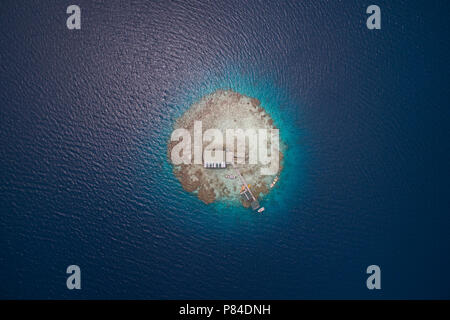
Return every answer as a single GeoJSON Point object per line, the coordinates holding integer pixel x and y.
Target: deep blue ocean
{"type": "Point", "coordinates": [86, 114]}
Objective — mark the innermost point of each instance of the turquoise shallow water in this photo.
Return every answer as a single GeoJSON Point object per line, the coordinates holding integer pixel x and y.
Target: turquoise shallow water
{"type": "Point", "coordinates": [275, 101]}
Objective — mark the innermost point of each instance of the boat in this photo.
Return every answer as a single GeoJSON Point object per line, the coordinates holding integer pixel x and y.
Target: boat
{"type": "Point", "coordinates": [261, 209]}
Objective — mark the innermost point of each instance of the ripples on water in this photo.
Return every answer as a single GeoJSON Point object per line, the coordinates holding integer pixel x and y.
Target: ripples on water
{"type": "Point", "coordinates": [86, 117]}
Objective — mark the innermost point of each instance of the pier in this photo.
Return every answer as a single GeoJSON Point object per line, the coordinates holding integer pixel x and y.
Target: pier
{"type": "Point", "coordinates": [254, 203]}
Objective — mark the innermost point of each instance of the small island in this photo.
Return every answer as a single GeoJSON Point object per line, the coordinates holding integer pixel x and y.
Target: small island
{"type": "Point", "coordinates": [230, 177]}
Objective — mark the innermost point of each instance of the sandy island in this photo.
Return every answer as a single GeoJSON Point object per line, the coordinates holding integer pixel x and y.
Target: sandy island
{"type": "Point", "coordinates": [224, 109]}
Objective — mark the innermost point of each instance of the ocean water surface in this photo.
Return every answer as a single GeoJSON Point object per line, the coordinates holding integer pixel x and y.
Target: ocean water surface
{"type": "Point", "coordinates": [86, 116]}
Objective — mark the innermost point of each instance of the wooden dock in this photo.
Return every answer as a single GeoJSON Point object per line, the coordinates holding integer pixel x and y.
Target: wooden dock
{"type": "Point", "coordinates": [255, 203]}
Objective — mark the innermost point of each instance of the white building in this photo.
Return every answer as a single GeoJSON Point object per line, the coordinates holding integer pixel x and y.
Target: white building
{"type": "Point", "coordinates": [214, 165]}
